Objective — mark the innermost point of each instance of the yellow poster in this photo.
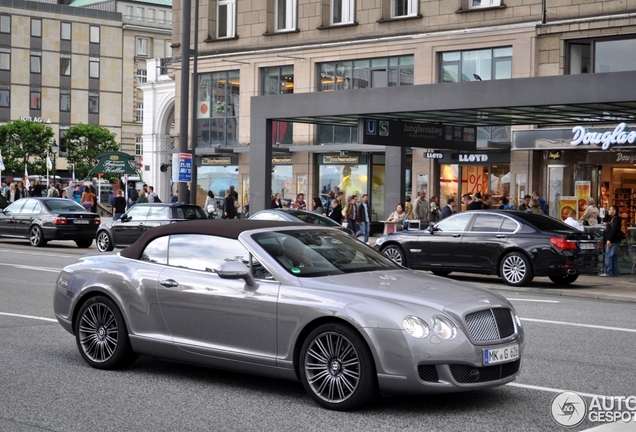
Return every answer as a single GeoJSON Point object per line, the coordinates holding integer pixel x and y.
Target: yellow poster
{"type": "Point", "coordinates": [567, 204]}
{"type": "Point", "coordinates": [582, 190]}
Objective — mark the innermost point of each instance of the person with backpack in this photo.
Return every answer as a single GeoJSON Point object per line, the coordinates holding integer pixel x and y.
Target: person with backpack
{"type": "Point", "coordinates": [152, 196]}
{"type": "Point", "coordinates": [210, 205]}
{"type": "Point", "coordinates": [133, 196]}
{"type": "Point", "coordinates": [613, 236]}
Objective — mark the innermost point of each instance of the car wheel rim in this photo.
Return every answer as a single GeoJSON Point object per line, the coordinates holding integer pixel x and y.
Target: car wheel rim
{"type": "Point", "coordinates": [514, 269]}
{"type": "Point", "coordinates": [332, 367]}
{"type": "Point", "coordinates": [98, 333]}
{"type": "Point", "coordinates": [102, 242]}
{"type": "Point", "coordinates": [393, 254]}
{"type": "Point", "coordinates": [35, 236]}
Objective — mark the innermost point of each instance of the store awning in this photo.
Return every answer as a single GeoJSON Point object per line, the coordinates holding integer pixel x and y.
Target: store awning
{"type": "Point", "coordinates": [118, 163]}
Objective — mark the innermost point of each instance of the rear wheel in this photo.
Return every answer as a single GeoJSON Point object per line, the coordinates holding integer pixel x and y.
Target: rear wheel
{"type": "Point", "coordinates": [84, 243]}
{"type": "Point", "coordinates": [36, 237]}
{"type": "Point", "coordinates": [395, 253]}
{"type": "Point", "coordinates": [104, 242]}
{"type": "Point", "coordinates": [565, 279]}
{"type": "Point", "coordinates": [516, 269]}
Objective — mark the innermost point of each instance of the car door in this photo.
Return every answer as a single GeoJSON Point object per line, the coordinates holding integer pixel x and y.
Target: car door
{"type": "Point", "coordinates": [24, 218]}
{"type": "Point", "coordinates": [212, 316]}
{"type": "Point", "coordinates": [126, 232]}
{"type": "Point", "coordinates": [484, 242]}
{"type": "Point", "coordinates": [442, 247]}
{"type": "Point", "coordinates": [8, 218]}
{"type": "Point", "coordinates": [158, 215]}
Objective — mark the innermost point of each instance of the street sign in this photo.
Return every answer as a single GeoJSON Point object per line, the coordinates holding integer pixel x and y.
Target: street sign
{"type": "Point", "coordinates": [182, 167]}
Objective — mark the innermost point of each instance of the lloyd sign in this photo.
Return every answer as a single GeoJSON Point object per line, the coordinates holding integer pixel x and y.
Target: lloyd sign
{"type": "Point", "coordinates": [473, 157]}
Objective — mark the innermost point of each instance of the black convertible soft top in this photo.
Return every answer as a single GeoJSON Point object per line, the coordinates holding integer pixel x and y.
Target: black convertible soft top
{"type": "Point", "coordinates": [229, 228]}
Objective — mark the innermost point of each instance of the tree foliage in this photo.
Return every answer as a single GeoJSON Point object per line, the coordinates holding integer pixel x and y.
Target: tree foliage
{"type": "Point", "coordinates": [83, 142]}
{"type": "Point", "coordinates": [25, 143]}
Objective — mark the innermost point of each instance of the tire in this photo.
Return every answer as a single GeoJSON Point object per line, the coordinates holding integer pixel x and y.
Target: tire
{"type": "Point", "coordinates": [395, 253]}
{"type": "Point", "coordinates": [101, 335]}
{"type": "Point", "coordinates": [36, 236]}
{"type": "Point", "coordinates": [85, 243]}
{"type": "Point", "coordinates": [515, 269]}
{"type": "Point", "coordinates": [104, 242]}
{"type": "Point", "coordinates": [337, 368]}
{"type": "Point", "coordinates": [565, 279]}
{"type": "Point", "coordinates": [440, 272]}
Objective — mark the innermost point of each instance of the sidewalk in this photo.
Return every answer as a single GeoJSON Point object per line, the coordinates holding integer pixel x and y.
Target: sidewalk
{"type": "Point", "coordinates": [621, 288]}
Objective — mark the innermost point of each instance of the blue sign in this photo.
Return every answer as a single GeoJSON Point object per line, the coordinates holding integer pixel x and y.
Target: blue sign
{"type": "Point", "coordinates": [185, 167]}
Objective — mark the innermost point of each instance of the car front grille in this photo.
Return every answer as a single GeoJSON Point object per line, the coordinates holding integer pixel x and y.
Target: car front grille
{"type": "Point", "coordinates": [428, 373]}
{"type": "Point", "coordinates": [490, 324]}
{"type": "Point", "coordinates": [466, 374]}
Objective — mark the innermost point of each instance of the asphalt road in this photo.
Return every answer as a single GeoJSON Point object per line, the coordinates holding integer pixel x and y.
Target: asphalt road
{"type": "Point", "coordinates": [573, 344]}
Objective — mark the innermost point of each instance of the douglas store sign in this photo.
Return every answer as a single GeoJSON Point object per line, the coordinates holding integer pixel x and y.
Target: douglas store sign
{"type": "Point", "coordinates": [578, 137]}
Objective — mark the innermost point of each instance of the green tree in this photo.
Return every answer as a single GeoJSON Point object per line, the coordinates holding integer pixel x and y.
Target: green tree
{"type": "Point", "coordinates": [83, 142]}
{"type": "Point", "coordinates": [25, 143]}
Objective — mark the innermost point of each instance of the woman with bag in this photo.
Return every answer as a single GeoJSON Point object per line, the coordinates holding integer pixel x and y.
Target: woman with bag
{"type": "Point", "coordinates": [590, 216]}
{"type": "Point", "coordinates": [210, 205]}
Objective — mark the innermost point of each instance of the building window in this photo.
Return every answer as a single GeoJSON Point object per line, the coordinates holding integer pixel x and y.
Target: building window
{"type": "Point", "coordinates": [142, 76]}
{"type": "Point", "coordinates": [366, 73]}
{"type": "Point", "coordinates": [36, 27]}
{"type": "Point", "coordinates": [65, 31]}
{"type": "Point", "coordinates": [474, 4]}
{"type": "Point", "coordinates": [609, 55]}
{"type": "Point", "coordinates": [151, 15]}
{"type": "Point", "coordinates": [94, 34]}
{"type": "Point", "coordinates": [142, 47]}
{"type": "Point", "coordinates": [478, 65]}
{"type": "Point", "coordinates": [129, 13]}
{"type": "Point", "coordinates": [65, 66]}
{"type": "Point", "coordinates": [342, 11]}
{"type": "Point", "coordinates": [225, 13]}
{"type": "Point", "coordinates": [139, 113]}
{"type": "Point", "coordinates": [65, 101]}
{"type": "Point", "coordinates": [279, 80]}
{"type": "Point", "coordinates": [140, 14]}
{"type": "Point", "coordinates": [5, 24]}
{"type": "Point", "coordinates": [328, 134]}
{"type": "Point", "coordinates": [93, 104]}
{"type": "Point", "coordinates": [5, 59]}
{"type": "Point", "coordinates": [162, 16]}
{"type": "Point", "coordinates": [35, 99]}
{"type": "Point", "coordinates": [93, 67]}
{"type": "Point", "coordinates": [139, 146]}
{"type": "Point", "coordinates": [36, 63]}
{"type": "Point", "coordinates": [5, 98]}
{"type": "Point", "coordinates": [403, 8]}
{"type": "Point", "coordinates": [218, 109]}
{"type": "Point", "coordinates": [285, 15]}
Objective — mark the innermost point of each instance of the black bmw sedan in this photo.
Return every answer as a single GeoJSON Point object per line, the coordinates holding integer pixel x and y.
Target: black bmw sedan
{"type": "Point", "coordinates": [43, 219]}
{"type": "Point", "coordinates": [514, 245]}
{"type": "Point", "coordinates": [299, 216]}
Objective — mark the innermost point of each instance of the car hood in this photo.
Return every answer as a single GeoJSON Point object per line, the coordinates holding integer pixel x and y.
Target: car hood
{"type": "Point", "coordinates": [411, 288]}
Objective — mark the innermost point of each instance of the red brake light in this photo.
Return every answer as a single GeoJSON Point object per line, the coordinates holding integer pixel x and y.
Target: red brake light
{"type": "Point", "coordinates": [96, 221]}
{"type": "Point", "coordinates": [563, 244]}
{"type": "Point", "coordinates": [60, 221]}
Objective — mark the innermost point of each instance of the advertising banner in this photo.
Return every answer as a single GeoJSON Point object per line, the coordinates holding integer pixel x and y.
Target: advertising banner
{"type": "Point", "coordinates": [566, 204]}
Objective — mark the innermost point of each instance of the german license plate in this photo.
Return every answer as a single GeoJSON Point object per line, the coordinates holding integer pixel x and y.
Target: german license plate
{"type": "Point", "coordinates": [501, 355]}
{"type": "Point", "coordinates": [82, 221]}
{"type": "Point", "coordinates": [588, 246]}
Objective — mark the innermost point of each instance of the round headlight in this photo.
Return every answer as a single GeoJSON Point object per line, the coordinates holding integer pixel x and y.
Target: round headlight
{"type": "Point", "coordinates": [415, 326]}
{"type": "Point", "coordinates": [444, 328]}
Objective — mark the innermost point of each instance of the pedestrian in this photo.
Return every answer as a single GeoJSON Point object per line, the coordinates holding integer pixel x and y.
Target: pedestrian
{"type": "Point", "coordinates": [613, 237]}
{"type": "Point", "coordinates": [229, 209]}
{"type": "Point", "coordinates": [330, 198]}
{"type": "Point", "coordinates": [336, 211]}
{"type": "Point", "coordinates": [69, 189]}
{"type": "Point", "coordinates": [210, 205]}
{"type": "Point", "coordinates": [408, 208]}
{"type": "Point", "coordinates": [299, 202]}
{"type": "Point", "coordinates": [119, 205]}
{"type": "Point", "coordinates": [276, 201]}
{"type": "Point", "coordinates": [93, 198]}
{"type": "Point", "coordinates": [12, 194]}
{"type": "Point", "coordinates": [351, 213]}
{"type": "Point", "coordinates": [590, 216]}
{"type": "Point", "coordinates": [22, 190]}
{"type": "Point", "coordinates": [542, 203]}
{"type": "Point", "coordinates": [477, 203]}
{"type": "Point", "coordinates": [398, 216]}
{"type": "Point", "coordinates": [448, 209]}
{"type": "Point", "coordinates": [435, 211]}
{"type": "Point", "coordinates": [525, 205]}
{"type": "Point", "coordinates": [487, 203]}
{"type": "Point", "coordinates": [316, 206]}
{"type": "Point", "coordinates": [421, 209]}
{"type": "Point", "coordinates": [152, 196]}
{"type": "Point", "coordinates": [86, 199]}
{"type": "Point", "coordinates": [143, 198]}
{"type": "Point", "coordinates": [52, 192]}
{"type": "Point", "coordinates": [38, 189]}
{"type": "Point", "coordinates": [535, 207]}
{"type": "Point", "coordinates": [77, 194]}
{"type": "Point", "coordinates": [133, 195]}
{"type": "Point", "coordinates": [233, 193]}
{"type": "Point", "coordinates": [573, 222]}
{"type": "Point", "coordinates": [364, 218]}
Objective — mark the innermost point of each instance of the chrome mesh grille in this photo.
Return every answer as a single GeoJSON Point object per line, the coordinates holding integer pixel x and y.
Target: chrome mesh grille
{"type": "Point", "coordinates": [490, 324]}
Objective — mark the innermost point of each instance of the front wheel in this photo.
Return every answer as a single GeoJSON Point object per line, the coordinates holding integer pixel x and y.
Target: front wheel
{"type": "Point", "coordinates": [104, 242]}
{"type": "Point", "coordinates": [36, 237]}
{"type": "Point", "coordinates": [565, 279]}
{"type": "Point", "coordinates": [337, 369]}
{"type": "Point", "coordinates": [516, 269]}
{"type": "Point", "coordinates": [395, 253]}
{"type": "Point", "coordinates": [101, 335]}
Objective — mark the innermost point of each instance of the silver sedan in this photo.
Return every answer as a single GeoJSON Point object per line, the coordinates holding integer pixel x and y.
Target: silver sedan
{"type": "Point", "coordinates": [288, 301]}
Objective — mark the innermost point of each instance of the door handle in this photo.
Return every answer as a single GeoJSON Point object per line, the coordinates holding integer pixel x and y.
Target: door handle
{"type": "Point", "coordinates": [169, 283]}
{"type": "Point", "coordinates": [456, 235]}
{"type": "Point", "coordinates": [501, 236]}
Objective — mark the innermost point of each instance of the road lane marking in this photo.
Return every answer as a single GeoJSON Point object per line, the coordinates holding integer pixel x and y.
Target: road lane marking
{"type": "Point", "coordinates": [15, 252]}
{"type": "Point", "coordinates": [30, 267]}
{"type": "Point", "coordinates": [580, 325]}
{"type": "Point", "coordinates": [554, 390]}
{"type": "Point", "coordinates": [531, 300]}
{"type": "Point", "coordinates": [28, 316]}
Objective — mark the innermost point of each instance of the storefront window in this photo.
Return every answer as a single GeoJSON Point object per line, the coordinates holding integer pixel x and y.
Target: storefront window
{"type": "Point", "coordinates": [448, 183]}
{"type": "Point", "coordinates": [217, 179]}
{"type": "Point", "coordinates": [350, 179]}
{"type": "Point", "coordinates": [282, 182]}
{"type": "Point", "coordinates": [218, 109]}
{"type": "Point", "coordinates": [499, 183]}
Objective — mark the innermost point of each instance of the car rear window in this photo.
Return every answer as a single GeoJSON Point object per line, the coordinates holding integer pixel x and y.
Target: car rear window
{"type": "Point", "coordinates": [545, 223]}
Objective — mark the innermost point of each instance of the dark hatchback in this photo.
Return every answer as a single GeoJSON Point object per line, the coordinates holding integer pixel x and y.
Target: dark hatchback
{"type": "Point", "coordinates": [299, 216]}
{"type": "Point", "coordinates": [514, 245]}
{"type": "Point", "coordinates": [43, 219]}
{"type": "Point", "coordinates": [140, 218]}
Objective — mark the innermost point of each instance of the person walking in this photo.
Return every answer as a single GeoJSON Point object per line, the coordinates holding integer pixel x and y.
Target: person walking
{"type": "Point", "coordinates": [408, 208]}
{"type": "Point", "coordinates": [119, 205]}
{"type": "Point", "coordinates": [421, 210]}
{"type": "Point", "coordinates": [525, 204]}
{"type": "Point", "coordinates": [435, 210]}
{"type": "Point", "coordinates": [351, 213]}
{"type": "Point", "coordinates": [590, 216]}
{"type": "Point", "coordinates": [364, 218]}
{"type": "Point", "coordinates": [448, 209]}
{"type": "Point", "coordinates": [229, 210]}
{"type": "Point", "coordinates": [210, 205]}
{"type": "Point", "coordinates": [613, 239]}
{"type": "Point", "coordinates": [299, 203]}
{"type": "Point", "coordinates": [336, 211]}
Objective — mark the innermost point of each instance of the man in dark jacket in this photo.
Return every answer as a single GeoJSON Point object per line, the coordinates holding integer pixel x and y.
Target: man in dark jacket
{"type": "Point", "coordinates": [476, 203]}
{"type": "Point", "coordinates": [612, 243]}
{"type": "Point", "coordinates": [336, 211]}
{"type": "Point", "coordinates": [448, 208]}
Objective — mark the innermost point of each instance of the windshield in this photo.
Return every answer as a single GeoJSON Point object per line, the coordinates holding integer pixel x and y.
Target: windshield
{"type": "Point", "coordinates": [321, 253]}
{"type": "Point", "coordinates": [62, 205]}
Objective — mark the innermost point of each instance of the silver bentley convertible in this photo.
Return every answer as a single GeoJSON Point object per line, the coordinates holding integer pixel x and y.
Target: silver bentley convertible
{"type": "Point", "coordinates": [288, 301]}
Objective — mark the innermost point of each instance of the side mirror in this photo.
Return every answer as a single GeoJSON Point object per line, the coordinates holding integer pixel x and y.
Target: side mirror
{"type": "Point", "coordinates": [431, 227]}
{"type": "Point", "coordinates": [235, 270]}
{"type": "Point", "coordinates": [123, 217]}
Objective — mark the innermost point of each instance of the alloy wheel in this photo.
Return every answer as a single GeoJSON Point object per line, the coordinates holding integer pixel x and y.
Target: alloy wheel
{"type": "Point", "coordinates": [394, 254]}
{"type": "Point", "coordinates": [98, 332]}
{"type": "Point", "coordinates": [104, 243]}
{"type": "Point", "coordinates": [514, 269]}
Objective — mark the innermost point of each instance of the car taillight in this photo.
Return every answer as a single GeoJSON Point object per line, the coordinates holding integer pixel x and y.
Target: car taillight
{"type": "Point", "coordinates": [60, 221]}
{"type": "Point", "coordinates": [563, 244]}
{"type": "Point", "coordinates": [96, 221]}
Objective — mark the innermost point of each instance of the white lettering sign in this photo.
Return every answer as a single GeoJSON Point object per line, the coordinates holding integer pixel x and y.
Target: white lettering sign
{"type": "Point", "coordinates": [473, 157]}
{"type": "Point", "coordinates": [35, 119]}
{"type": "Point", "coordinates": [604, 139]}
{"type": "Point", "coordinates": [431, 155]}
